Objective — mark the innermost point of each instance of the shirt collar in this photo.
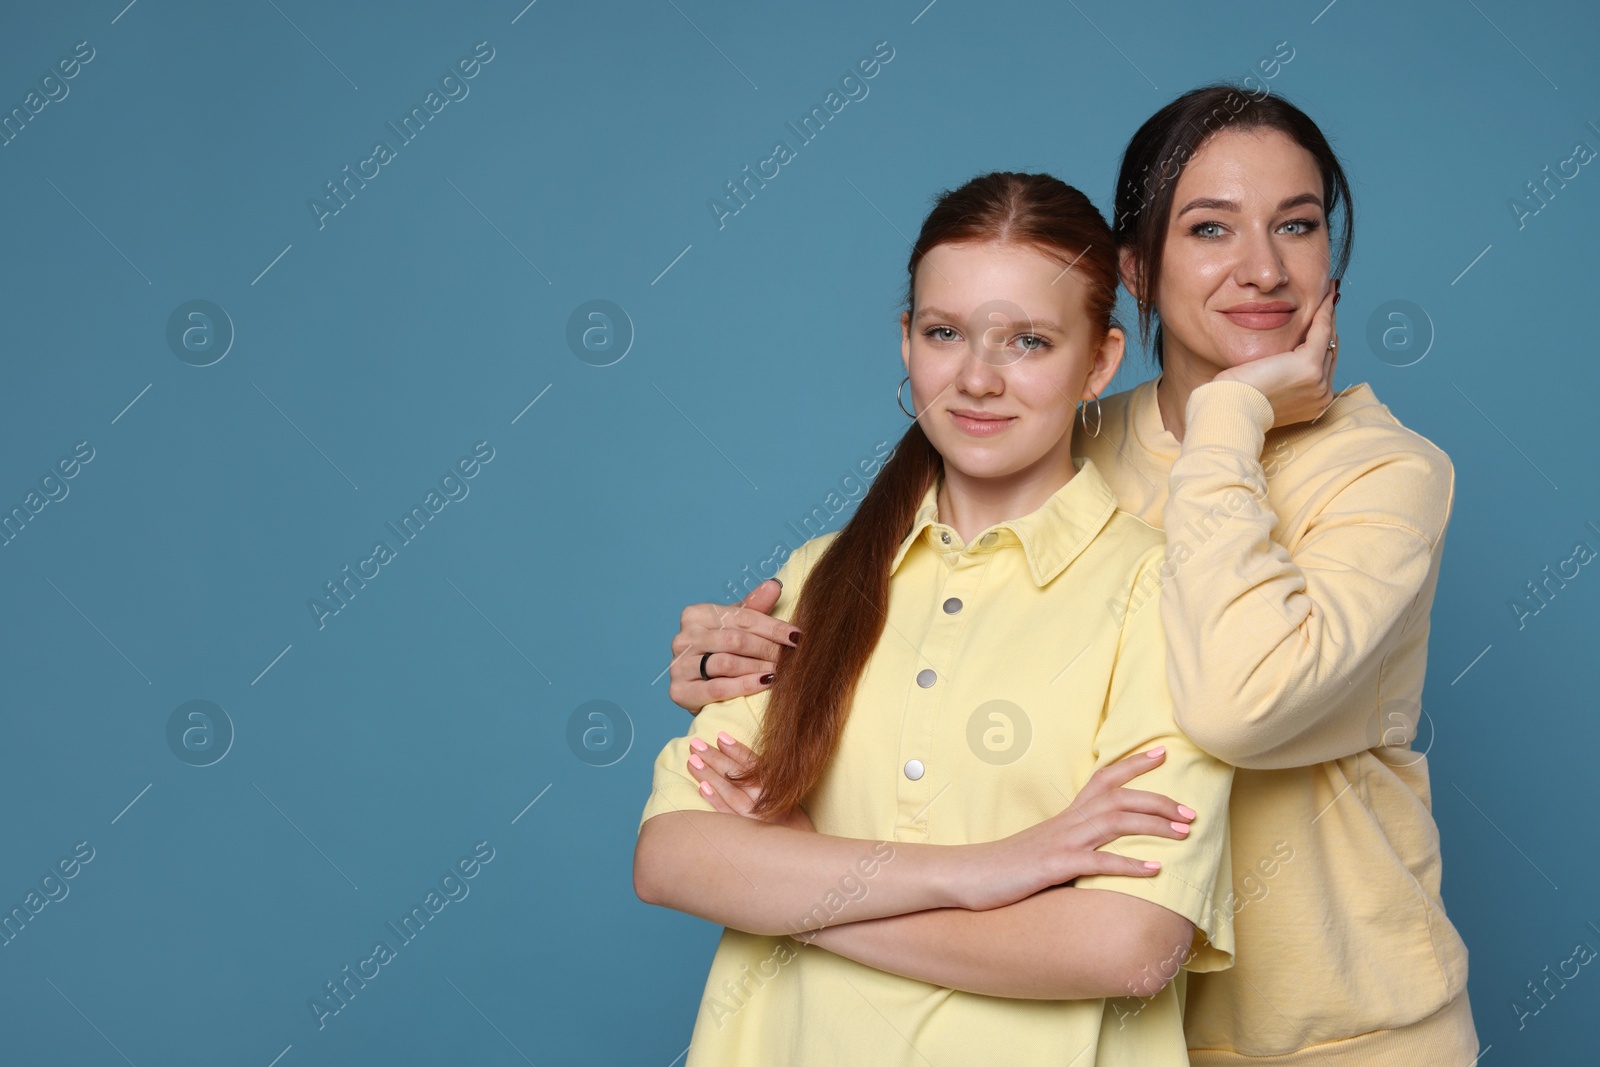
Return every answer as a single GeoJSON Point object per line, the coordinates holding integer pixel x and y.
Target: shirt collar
{"type": "Point", "coordinates": [1051, 537]}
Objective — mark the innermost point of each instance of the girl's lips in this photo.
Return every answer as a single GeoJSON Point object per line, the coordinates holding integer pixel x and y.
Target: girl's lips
{"type": "Point", "coordinates": [1259, 320]}
{"type": "Point", "coordinates": [980, 427]}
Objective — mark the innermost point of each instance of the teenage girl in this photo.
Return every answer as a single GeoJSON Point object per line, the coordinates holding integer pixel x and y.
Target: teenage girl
{"type": "Point", "coordinates": [974, 663]}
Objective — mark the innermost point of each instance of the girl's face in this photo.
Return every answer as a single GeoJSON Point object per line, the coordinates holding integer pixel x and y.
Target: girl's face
{"type": "Point", "coordinates": [1245, 261]}
{"type": "Point", "coordinates": [1000, 348]}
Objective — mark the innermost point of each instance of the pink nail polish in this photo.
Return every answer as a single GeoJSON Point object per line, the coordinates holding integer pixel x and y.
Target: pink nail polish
{"type": "Point", "coordinates": [725, 739]}
{"type": "Point", "coordinates": [1157, 751]}
{"type": "Point", "coordinates": [699, 764]}
{"type": "Point", "coordinates": [1181, 827]}
{"type": "Point", "coordinates": [697, 744]}
{"type": "Point", "coordinates": [1153, 865]}
{"type": "Point", "coordinates": [1186, 812]}
{"type": "Point", "coordinates": [705, 788]}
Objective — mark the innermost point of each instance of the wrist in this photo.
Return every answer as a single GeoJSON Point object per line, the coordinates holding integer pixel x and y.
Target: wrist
{"type": "Point", "coordinates": [1226, 413]}
{"type": "Point", "coordinates": [952, 874]}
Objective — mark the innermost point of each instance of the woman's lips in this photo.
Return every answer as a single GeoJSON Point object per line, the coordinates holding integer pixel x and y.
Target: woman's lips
{"type": "Point", "coordinates": [1262, 316]}
{"type": "Point", "coordinates": [980, 427]}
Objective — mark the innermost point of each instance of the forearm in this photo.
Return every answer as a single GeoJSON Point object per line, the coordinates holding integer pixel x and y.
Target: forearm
{"type": "Point", "coordinates": [766, 879]}
{"type": "Point", "coordinates": [1059, 944]}
{"type": "Point", "coordinates": [1275, 653]}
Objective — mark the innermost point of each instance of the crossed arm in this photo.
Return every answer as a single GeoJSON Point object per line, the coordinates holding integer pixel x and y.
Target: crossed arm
{"type": "Point", "coordinates": [990, 918]}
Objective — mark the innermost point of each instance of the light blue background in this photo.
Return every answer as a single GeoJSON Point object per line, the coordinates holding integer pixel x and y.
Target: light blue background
{"type": "Point", "coordinates": [372, 753]}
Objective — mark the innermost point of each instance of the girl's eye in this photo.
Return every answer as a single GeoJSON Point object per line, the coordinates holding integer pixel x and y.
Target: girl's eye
{"type": "Point", "coordinates": [941, 333]}
{"type": "Point", "coordinates": [1302, 227]}
{"type": "Point", "coordinates": [1032, 342]}
{"type": "Point", "coordinates": [1206, 229]}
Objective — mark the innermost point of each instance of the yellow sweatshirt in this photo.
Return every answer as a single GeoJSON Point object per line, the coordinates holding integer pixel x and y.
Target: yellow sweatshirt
{"type": "Point", "coordinates": [1301, 566]}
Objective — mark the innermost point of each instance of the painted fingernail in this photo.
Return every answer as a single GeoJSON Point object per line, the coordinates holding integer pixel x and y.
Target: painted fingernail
{"type": "Point", "coordinates": [725, 739]}
{"type": "Point", "coordinates": [1156, 752]}
{"type": "Point", "coordinates": [766, 679]}
{"type": "Point", "coordinates": [1149, 864]}
{"type": "Point", "coordinates": [700, 746]}
{"type": "Point", "coordinates": [699, 764]}
{"type": "Point", "coordinates": [1181, 827]}
{"type": "Point", "coordinates": [705, 788]}
{"type": "Point", "coordinates": [779, 581]}
{"type": "Point", "coordinates": [794, 637]}
{"type": "Point", "coordinates": [1186, 812]}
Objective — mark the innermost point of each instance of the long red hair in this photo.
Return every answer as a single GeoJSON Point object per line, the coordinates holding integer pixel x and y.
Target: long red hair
{"type": "Point", "coordinates": [844, 604]}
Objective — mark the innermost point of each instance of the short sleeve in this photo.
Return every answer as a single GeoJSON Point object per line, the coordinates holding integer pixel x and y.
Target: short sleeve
{"type": "Point", "coordinates": [1196, 872]}
{"type": "Point", "coordinates": [672, 787]}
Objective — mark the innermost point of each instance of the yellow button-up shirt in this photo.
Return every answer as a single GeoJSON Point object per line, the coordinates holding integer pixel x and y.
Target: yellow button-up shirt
{"type": "Point", "coordinates": [1010, 669]}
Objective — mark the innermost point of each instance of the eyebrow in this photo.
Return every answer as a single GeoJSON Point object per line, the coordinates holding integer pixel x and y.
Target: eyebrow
{"type": "Point", "coordinates": [1033, 324]}
{"type": "Point", "coordinates": [1206, 203]}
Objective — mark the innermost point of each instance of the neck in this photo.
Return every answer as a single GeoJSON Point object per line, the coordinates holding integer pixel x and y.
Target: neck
{"type": "Point", "coordinates": [1181, 375]}
{"type": "Point", "coordinates": [972, 504]}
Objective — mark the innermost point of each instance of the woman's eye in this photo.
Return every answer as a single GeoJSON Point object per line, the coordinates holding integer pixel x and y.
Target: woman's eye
{"type": "Point", "coordinates": [1031, 342]}
{"type": "Point", "coordinates": [1206, 229]}
{"type": "Point", "coordinates": [1301, 227]}
{"type": "Point", "coordinates": [942, 333]}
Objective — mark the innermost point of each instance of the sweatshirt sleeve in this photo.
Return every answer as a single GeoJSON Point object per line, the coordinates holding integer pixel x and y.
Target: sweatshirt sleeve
{"type": "Point", "coordinates": [1277, 654]}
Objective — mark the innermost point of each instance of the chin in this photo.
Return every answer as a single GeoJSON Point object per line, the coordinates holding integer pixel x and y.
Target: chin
{"type": "Point", "coordinates": [979, 466]}
{"type": "Point", "coordinates": [1257, 346]}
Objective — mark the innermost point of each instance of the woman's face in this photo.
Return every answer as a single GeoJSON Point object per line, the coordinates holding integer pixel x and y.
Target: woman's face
{"type": "Point", "coordinates": [1245, 261]}
{"type": "Point", "coordinates": [1000, 348]}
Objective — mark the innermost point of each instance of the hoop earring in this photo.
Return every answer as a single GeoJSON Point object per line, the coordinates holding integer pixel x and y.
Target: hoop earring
{"type": "Point", "coordinates": [902, 403]}
{"type": "Point", "coordinates": [1083, 412]}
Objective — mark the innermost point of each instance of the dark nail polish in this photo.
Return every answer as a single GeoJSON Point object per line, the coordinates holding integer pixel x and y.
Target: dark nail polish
{"type": "Point", "coordinates": [766, 679]}
{"type": "Point", "coordinates": [779, 581]}
{"type": "Point", "coordinates": [794, 637]}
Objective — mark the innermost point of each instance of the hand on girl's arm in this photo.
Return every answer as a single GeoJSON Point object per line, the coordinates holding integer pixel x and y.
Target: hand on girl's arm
{"type": "Point", "coordinates": [743, 640]}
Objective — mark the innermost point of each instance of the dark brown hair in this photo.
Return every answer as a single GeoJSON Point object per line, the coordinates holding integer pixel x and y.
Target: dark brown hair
{"type": "Point", "coordinates": [843, 606]}
{"type": "Point", "coordinates": [1165, 144]}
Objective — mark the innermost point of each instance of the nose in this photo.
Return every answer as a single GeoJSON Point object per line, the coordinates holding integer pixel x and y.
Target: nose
{"type": "Point", "coordinates": [1260, 263]}
{"type": "Point", "coordinates": [980, 374]}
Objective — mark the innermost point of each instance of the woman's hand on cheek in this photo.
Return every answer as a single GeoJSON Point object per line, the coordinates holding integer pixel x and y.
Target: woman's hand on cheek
{"type": "Point", "coordinates": [1298, 383]}
{"type": "Point", "coordinates": [712, 767]}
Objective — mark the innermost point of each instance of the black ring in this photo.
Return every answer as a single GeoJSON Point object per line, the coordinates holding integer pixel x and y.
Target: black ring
{"type": "Point", "coordinates": [703, 673]}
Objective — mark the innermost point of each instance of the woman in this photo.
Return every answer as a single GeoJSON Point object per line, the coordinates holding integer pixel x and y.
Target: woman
{"type": "Point", "coordinates": [934, 782]}
{"type": "Point", "coordinates": [1305, 533]}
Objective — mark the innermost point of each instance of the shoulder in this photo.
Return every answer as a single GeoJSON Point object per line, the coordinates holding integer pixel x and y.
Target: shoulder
{"type": "Point", "coordinates": [1149, 570]}
{"type": "Point", "coordinates": [1132, 555]}
{"type": "Point", "coordinates": [1134, 538]}
{"type": "Point", "coordinates": [1116, 420]}
{"type": "Point", "coordinates": [796, 569]}
{"type": "Point", "coordinates": [1374, 417]}
{"type": "Point", "coordinates": [1118, 403]}
{"type": "Point", "coordinates": [1364, 457]}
